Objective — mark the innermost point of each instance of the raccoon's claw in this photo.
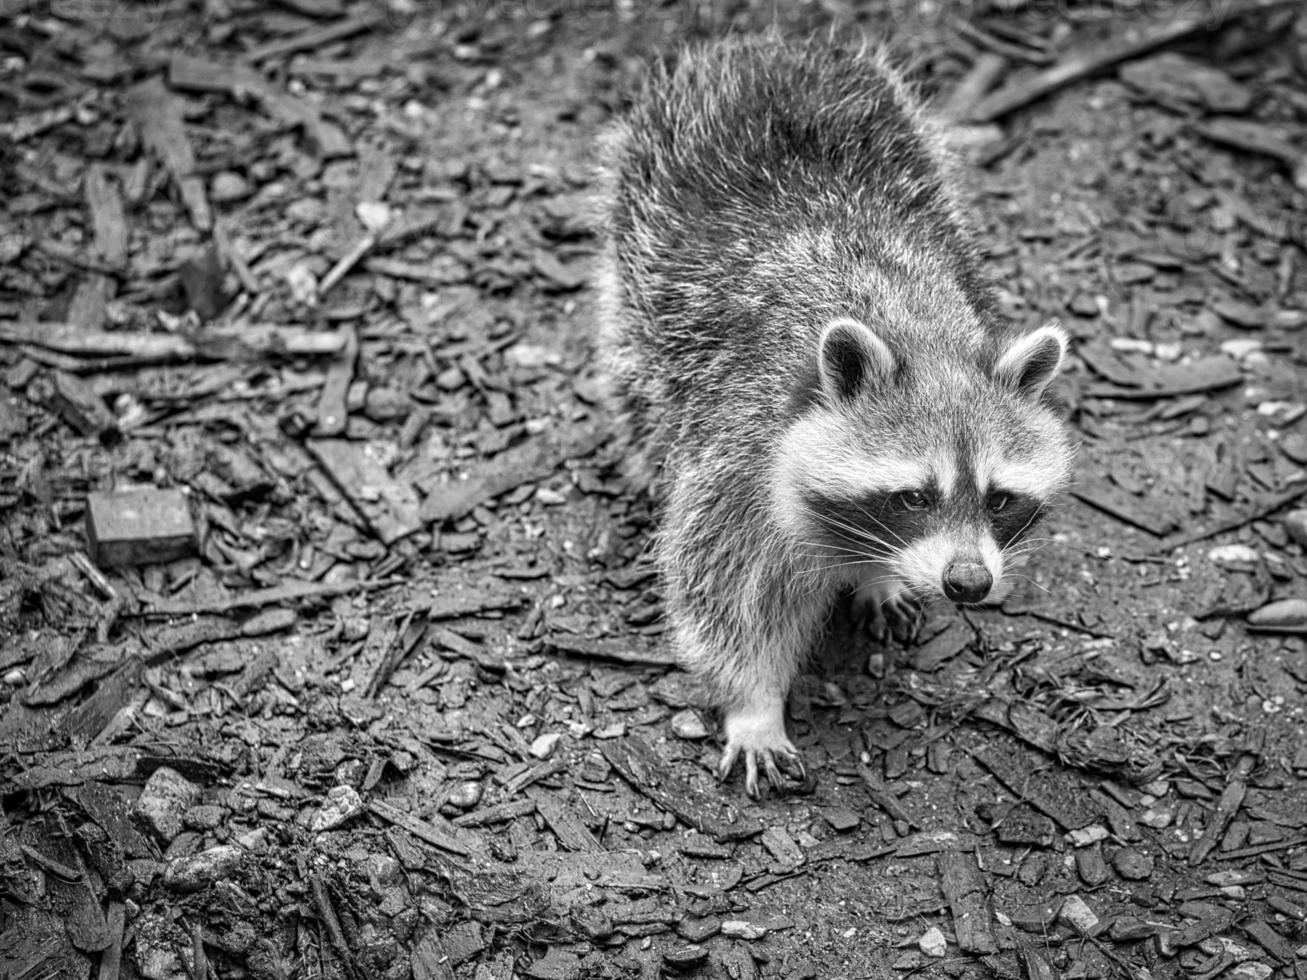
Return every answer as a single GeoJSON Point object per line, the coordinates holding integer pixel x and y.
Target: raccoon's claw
{"type": "Point", "coordinates": [897, 615]}
{"type": "Point", "coordinates": [773, 760]}
{"type": "Point", "coordinates": [760, 738]}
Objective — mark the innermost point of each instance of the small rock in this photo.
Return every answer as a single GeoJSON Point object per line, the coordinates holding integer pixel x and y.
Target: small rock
{"type": "Point", "coordinates": [1131, 345]}
{"type": "Point", "coordinates": [1282, 413]}
{"type": "Point", "coordinates": [1234, 557]}
{"type": "Point", "coordinates": [1249, 971]}
{"type": "Point", "coordinates": [466, 794]}
{"type": "Point", "coordinates": [1284, 616]}
{"type": "Point", "coordinates": [1295, 525]}
{"type": "Point", "coordinates": [450, 379]}
{"type": "Point", "coordinates": [550, 497]}
{"type": "Point", "coordinates": [195, 872]}
{"type": "Point", "coordinates": [227, 186]}
{"type": "Point", "coordinates": [688, 725]}
{"type": "Point", "coordinates": [544, 745]}
{"type": "Point", "coordinates": [1088, 835]}
{"type": "Point", "coordinates": [1091, 867]}
{"type": "Point", "coordinates": [166, 796]}
{"type": "Point", "coordinates": [342, 803]}
{"type": "Point", "coordinates": [385, 404]}
{"type": "Point", "coordinates": [1132, 865]}
{"type": "Point", "coordinates": [1078, 915]}
{"type": "Point", "coordinates": [303, 284]}
{"type": "Point", "coordinates": [1240, 347]}
{"type": "Point", "coordinates": [743, 929]}
{"type": "Point", "coordinates": [374, 215]}
{"type": "Point", "coordinates": [933, 943]}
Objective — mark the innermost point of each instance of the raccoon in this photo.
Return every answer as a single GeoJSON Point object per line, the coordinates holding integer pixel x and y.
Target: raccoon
{"type": "Point", "coordinates": [794, 319]}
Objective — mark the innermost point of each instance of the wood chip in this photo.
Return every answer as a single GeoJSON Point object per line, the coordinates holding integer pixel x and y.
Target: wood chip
{"type": "Point", "coordinates": [1052, 792]}
{"type": "Point", "coordinates": [158, 117]}
{"type": "Point", "coordinates": [571, 832]}
{"type": "Point", "coordinates": [1127, 508]}
{"type": "Point", "coordinates": [238, 81]}
{"type": "Point", "coordinates": [965, 891]}
{"type": "Point", "coordinates": [640, 766]}
{"type": "Point", "coordinates": [390, 506]}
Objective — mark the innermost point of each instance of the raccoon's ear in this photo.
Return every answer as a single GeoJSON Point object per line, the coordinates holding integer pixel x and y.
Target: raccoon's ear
{"type": "Point", "coordinates": [850, 357]}
{"type": "Point", "coordinates": [1030, 363]}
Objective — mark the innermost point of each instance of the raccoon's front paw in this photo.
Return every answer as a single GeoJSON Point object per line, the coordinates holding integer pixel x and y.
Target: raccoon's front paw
{"type": "Point", "coordinates": [759, 735]}
{"type": "Point", "coordinates": [885, 614]}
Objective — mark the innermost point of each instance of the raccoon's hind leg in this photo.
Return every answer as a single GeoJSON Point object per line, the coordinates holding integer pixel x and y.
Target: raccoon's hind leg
{"type": "Point", "coordinates": [886, 609]}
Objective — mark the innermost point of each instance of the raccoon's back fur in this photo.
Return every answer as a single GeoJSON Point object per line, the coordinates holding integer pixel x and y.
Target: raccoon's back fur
{"type": "Point", "coordinates": [793, 314]}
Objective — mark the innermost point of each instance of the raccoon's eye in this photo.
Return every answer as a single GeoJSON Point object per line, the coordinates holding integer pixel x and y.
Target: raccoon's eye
{"type": "Point", "coordinates": [912, 500]}
{"type": "Point", "coordinates": [998, 501]}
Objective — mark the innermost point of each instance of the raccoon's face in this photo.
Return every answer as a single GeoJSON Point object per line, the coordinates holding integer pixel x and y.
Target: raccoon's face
{"type": "Point", "coordinates": [929, 477]}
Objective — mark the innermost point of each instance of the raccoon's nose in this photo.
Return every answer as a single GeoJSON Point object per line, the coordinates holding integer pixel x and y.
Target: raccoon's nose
{"type": "Point", "coordinates": [967, 581]}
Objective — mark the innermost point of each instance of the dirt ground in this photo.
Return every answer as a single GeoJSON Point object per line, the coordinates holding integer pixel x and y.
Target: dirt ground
{"type": "Point", "coordinates": [329, 644]}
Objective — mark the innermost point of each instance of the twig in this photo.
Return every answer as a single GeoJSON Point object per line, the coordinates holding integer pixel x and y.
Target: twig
{"type": "Point", "coordinates": [1226, 807]}
{"type": "Point", "coordinates": [1256, 850]}
{"type": "Point", "coordinates": [158, 116]}
{"type": "Point", "coordinates": [1266, 509]}
{"type": "Point", "coordinates": [229, 252]}
{"type": "Point", "coordinates": [315, 37]}
{"type": "Point", "coordinates": [400, 647]}
{"type": "Point", "coordinates": [499, 813]}
{"type": "Point", "coordinates": [112, 957]}
{"type": "Point", "coordinates": [249, 341]}
{"type": "Point", "coordinates": [200, 959]}
{"type": "Point", "coordinates": [421, 829]}
{"type": "Point", "coordinates": [883, 798]}
{"type": "Point", "coordinates": [347, 262]}
{"type": "Point", "coordinates": [327, 912]}
{"type": "Point", "coordinates": [973, 86]}
{"type": "Point", "coordinates": [289, 592]}
{"type": "Point", "coordinates": [1255, 137]}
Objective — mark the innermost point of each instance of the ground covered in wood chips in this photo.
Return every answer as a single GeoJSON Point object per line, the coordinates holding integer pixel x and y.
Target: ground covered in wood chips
{"type": "Point", "coordinates": [329, 643]}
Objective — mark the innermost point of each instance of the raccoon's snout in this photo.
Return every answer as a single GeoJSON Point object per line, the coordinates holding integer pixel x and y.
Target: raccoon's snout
{"type": "Point", "coordinates": [967, 580]}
